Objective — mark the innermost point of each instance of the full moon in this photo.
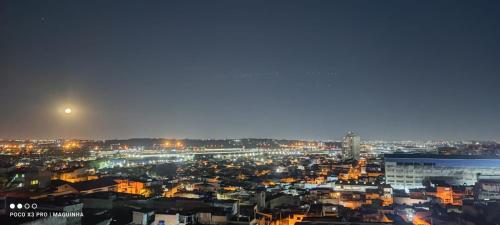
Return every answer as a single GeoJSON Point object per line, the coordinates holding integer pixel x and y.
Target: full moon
{"type": "Point", "coordinates": [67, 110]}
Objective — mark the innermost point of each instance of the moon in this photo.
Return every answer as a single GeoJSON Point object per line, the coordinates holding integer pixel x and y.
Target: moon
{"type": "Point", "coordinates": [67, 110]}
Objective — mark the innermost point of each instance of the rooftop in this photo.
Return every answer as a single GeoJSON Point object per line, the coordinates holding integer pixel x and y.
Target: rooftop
{"type": "Point", "coordinates": [93, 184]}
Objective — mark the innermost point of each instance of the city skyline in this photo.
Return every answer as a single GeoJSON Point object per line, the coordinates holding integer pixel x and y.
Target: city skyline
{"type": "Point", "coordinates": [338, 140]}
{"type": "Point", "coordinates": [291, 70]}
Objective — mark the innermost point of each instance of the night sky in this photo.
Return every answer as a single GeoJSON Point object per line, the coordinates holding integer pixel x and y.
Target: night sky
{"type": "Point", "coordinates": [231, 69]}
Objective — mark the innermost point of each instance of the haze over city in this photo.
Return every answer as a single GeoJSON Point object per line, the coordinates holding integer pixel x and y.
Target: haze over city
{"type": "Point", "coordinates": [126, 112]}
{"type": "Point", "coordinates": [232, 69]}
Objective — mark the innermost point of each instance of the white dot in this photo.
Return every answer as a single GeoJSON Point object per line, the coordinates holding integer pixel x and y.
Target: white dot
{"type": "Point", "coordinates": [19, 205]}
{"type": "Point", "coordinates": [12, 205]}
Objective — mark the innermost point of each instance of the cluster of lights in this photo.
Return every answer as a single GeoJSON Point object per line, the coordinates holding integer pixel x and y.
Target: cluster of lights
{"type": "Point", "coordinates": [176, 144]}
{"type": "Point", "coordinates": [71, 145]}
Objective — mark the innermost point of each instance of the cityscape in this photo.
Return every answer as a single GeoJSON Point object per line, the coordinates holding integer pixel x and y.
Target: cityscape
{"type": "Point", "coordinates": [249, 181]}
{"type": "Point", "coordinates": [224, 112]}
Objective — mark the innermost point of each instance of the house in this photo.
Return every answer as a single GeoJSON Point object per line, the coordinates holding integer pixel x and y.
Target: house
{"type": "Point", "coordinates": [106, 184]}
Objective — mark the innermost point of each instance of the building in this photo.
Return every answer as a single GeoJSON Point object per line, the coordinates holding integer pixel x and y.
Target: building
{"type": "Point", "coordinates": [75, 175]}
{"type": "Point", "coordinates": [31, 178]}
{"type": "Point", "coordinates": [87, 187]}
{"type": "Point", "coordinates": [487, 188]}
{"type": "Point", "coordinates": [407, 171]}
{"type": "Point", "coordinates": [174, 218]}
{"type": "Point", "coordinates": [142, 217]}
{"type": "Point", "coordinates": [129, 186]}
{"type": "Point", "coordinates": [351, 146]}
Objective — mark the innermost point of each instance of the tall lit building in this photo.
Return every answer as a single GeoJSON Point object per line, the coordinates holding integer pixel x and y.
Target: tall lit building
{"type": "Point", "coordinates": [351, 146]}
